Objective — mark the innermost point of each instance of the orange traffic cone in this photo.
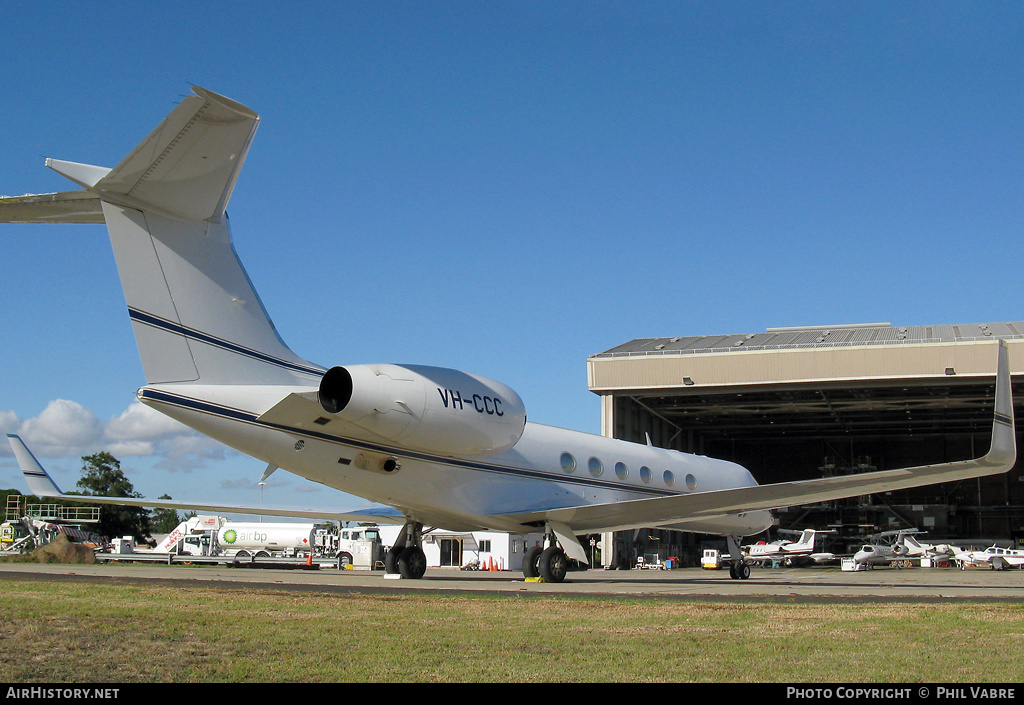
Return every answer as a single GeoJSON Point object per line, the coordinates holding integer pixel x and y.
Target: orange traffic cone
{"type": "Point", "coordinates": [309, 559]}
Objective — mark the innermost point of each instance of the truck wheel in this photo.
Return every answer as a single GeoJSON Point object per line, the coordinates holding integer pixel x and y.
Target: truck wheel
{"type": "Point", "coordinates": [344, 559]}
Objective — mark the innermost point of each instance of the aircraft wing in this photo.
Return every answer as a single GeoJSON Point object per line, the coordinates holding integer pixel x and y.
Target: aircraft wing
{"type": "Point", "coordinates": [42, 485]}
{"type": "Point", "coordinates": [678, 509]}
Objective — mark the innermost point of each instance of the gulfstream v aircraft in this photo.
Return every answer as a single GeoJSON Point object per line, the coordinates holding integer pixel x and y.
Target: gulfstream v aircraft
{"type": "Point", "coordinates": [441, 447]}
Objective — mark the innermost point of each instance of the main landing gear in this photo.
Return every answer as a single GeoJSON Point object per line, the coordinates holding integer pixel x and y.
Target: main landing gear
{"type": "Point", "coordinates": [548, 561]}
{"type": "Point", "coordinates": [738, 568]}
{"type": "Point", "coordinates": [406, 557]}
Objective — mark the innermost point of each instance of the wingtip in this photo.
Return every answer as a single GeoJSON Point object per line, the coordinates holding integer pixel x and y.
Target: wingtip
{"type": "Point", "coordinates": [39, 481]}
{"type": "Point", "coordinates": [1004, 434]}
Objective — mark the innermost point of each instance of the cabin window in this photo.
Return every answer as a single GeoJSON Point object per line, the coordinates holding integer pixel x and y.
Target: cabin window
{"type": "Point", "coordinates": [645, 474]}
{"type": "Point", "coordinates": [568, 462]}
{"type": "Point", "coordinates": [669, 478]}
{"type": "Point", "coordinates": [595, 466]}
{"type": "Point", "coordinates": [621, 471]}
{"type": "Point", "coordinates": [691, 482]}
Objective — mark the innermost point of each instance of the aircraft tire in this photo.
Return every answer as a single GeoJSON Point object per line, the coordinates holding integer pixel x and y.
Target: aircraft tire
{"type": "Point", "coordinates": [391, 561]}
{"type": "Point", "coordinates": [531, 562]}
{"type": "Point", "coordinates": [412, 563]}
{"type": "Point", "coordinates": [743, 572]}
{"type": "Point", "coordinates": [553, 565]}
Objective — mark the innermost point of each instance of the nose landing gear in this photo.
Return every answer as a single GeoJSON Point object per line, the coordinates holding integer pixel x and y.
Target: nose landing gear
{"type": "Point", "coordinates": [738, 568]}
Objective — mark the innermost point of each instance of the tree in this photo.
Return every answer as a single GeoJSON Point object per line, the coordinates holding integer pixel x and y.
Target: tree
{"type": "Point", "coordinates": [165, 520]}
{"type": "Point", "coordinates": [102, 476]}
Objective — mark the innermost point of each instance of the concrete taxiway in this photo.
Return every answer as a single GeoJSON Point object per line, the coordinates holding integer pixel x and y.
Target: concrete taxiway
{"type": "Point", "coordinates": [881, 584]}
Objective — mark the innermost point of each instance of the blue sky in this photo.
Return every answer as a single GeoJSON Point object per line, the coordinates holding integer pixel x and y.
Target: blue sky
{"type": "Point", "coordinates": [510, 187]}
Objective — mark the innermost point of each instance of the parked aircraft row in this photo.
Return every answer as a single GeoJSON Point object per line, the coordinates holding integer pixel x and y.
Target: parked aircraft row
{"type": "Point", "coordinates": [429, 446]}
{"type": "Point", "coordinates": [891, 548]}
{"type": "Point", "coordinates": [902, 545]}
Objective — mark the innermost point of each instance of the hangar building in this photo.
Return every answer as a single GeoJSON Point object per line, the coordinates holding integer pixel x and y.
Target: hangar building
{"type": "Point", "coordinates": [801, 403]}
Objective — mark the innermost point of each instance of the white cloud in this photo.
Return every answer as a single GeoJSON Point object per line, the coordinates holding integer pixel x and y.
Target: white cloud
{"type": "Point", "coordinates": [67, 429]}
{"type": "Point", "coordinates": [64, 428]}
{"type": "Point", "coordinates": [9, 423]}
{"type": "Point", "coordinates": [141, 423]}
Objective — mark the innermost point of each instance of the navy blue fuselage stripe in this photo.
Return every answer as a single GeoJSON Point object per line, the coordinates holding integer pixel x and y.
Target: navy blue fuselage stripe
{"type": "Point", "coordinates": [248, 417]}
{"type": "Point", "coordinates": [178, 329]}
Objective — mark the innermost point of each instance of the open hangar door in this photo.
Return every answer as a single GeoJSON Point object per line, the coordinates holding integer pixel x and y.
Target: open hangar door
{"type": "Point", "coordinates": [801, 411]}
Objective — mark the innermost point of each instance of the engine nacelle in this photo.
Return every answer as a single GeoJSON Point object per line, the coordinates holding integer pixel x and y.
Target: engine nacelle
{"type": "Point", "coordinates": [426, 408]}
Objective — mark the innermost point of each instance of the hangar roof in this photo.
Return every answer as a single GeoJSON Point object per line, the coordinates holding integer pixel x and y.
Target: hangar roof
{"type": "Point", "coordinates": [869, 379]}
{"type": "Point", "coordinates": [818, 337]}
{"type": "Point", "coordinates": [820, 356]}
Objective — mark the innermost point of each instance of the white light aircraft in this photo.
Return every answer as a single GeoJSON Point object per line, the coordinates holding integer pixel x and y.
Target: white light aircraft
{"type": "Point", "coordinates": [995, 557]}
{"type": "Point", "coordinates": [440, 447]}
{"type": "Point", "coordinates": [797, 552]}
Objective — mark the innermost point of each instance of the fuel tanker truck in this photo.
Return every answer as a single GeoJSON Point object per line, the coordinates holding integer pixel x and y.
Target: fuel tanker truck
{"type": "Point", "coordinates": [216, 536]}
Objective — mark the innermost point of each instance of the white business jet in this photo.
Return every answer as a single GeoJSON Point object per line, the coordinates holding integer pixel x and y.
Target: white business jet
{"type": "Point", "coordinates": [438, 446]}
{"type": "Point", "coordinates": [788, 552]}
{"type": "Point", "coordinates": [902, 548]}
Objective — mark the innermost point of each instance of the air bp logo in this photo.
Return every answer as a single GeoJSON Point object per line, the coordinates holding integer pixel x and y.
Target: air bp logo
{"type": "Point", "coordinates": [230, 536]}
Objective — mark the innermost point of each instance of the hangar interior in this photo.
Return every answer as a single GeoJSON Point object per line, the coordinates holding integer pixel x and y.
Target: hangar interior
{"type": "Point", "coordinates": [801, 403]}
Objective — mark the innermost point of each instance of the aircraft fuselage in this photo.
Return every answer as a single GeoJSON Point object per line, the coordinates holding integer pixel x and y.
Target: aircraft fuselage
{"type": "Point", "coordinates": [547, 468]}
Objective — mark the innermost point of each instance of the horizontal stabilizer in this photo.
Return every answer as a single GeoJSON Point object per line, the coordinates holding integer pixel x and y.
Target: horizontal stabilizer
{"type": "Point", "coordinates": [42, 485]}
{"type": "Point", "coordinates": [85, 175]}
{"type": "Point", "coordinates": [188, 165]}
{"type": "Point", "coordinates": [63, 207]}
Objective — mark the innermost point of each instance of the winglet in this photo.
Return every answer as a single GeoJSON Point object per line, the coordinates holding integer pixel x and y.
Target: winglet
{"type": "Point", "coordinates": [1004, 434]}
{"type": "Point", "coordinates": [39, 482]}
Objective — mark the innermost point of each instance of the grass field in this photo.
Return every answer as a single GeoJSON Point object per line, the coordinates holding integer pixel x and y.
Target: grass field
{"type": "Point", "coordinates": [70, 632]}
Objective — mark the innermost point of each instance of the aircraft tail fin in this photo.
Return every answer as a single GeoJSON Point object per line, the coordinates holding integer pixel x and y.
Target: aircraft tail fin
{"type": "Point", "coordinates": [806, 539]}
{"type": "Point", "coordinates": [194, 312]}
